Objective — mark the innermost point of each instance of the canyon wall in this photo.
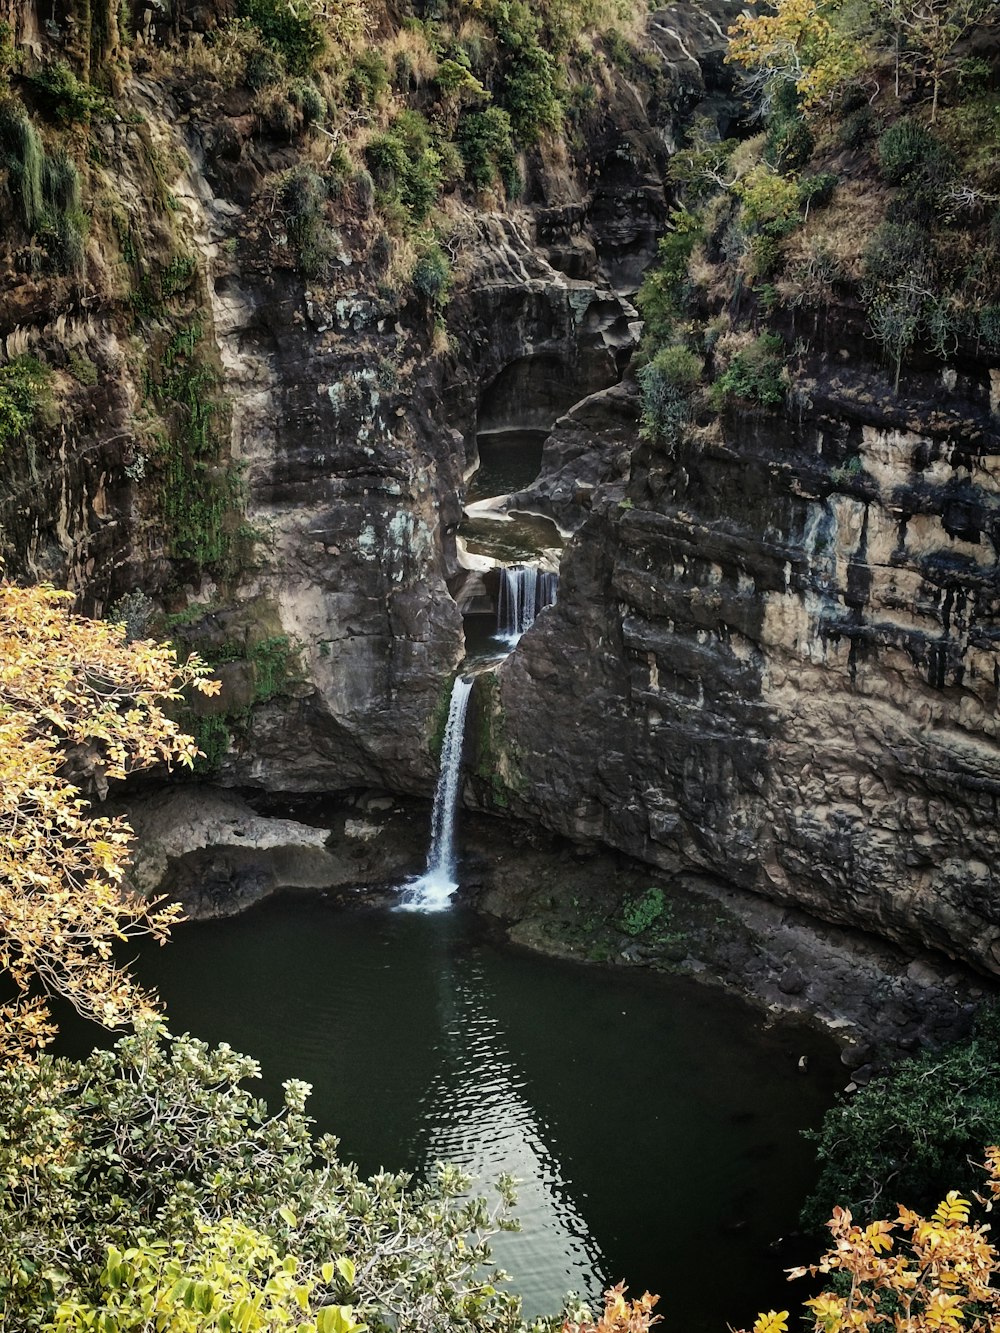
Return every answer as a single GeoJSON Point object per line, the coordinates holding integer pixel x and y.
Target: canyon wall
{"type": "Point", "coordinates": [774, 658]}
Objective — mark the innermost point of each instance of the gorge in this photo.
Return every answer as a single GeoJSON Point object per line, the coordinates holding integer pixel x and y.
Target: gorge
{"type": "Point", "coordinates": [550, 434]}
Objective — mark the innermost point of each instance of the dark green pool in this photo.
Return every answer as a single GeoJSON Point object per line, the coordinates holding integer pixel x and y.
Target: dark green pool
{"type": "Point", "coordinates": [654, 1123]}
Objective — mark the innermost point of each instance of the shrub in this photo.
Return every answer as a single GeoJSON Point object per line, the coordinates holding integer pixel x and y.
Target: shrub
{"type": "Point", "coordinates": [308, 99]}
{"type": "Point", "coordinates": [910, 154]}
{"type": "Point", "coordinates": [431, 275]}
{"type": "Point", "coordinates": [368, 79]}
{"type": "Point", "coordinates": [288, 28]}
{"type": "Point", "coordinates": [769, 199]}
{"type": "Point", "coordinates": [485, 140]}
{"type": "Point", "coordinates": [264, 67]}
{"type": "Point", "coordinates": [156, 1137]}
{"type": "Point", "coordinates": [62, 95]}
{"type": "Point", "coordinates": [661, 296]}
{"type": "Point", "coordinates": [895, 250]}
{"type": "Point", "coordinates": [405, 165]}
{"type": "Point", "coordinates": [23, 156]}
{"type": "Point", "coordinates": [755, 375]}
{"type": "Point", "coordinates": [638, 914]}
{"type": "Point", "coordinates": [815, 191]}
{"type": "Point", "coordinates": [315, 242]}
{"type": "Point", "coordinates": [913, 1132]}
{"type": "Point", "coordinates": [667, 383]}
{"type": "Point", "coordinates": [789, 142]}
{"type": "Point", "coordinates": [528, 88]}
{"type": "Point", "coordinates": [857, 127]}
{"type": "Point", "coordinates": [24, 392]}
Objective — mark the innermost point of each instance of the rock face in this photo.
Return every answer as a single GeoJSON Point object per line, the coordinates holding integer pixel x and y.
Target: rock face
{"type": "Point", "coordinates": [210, 850]}
{"type": "Point", "coordinates": [776, 661]}
{"type": "Point", "coordinates": [350, 421]}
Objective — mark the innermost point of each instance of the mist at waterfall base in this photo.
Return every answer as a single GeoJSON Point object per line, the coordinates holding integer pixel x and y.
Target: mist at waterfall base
{"type": "Point", "coordinates": [654, 1122]}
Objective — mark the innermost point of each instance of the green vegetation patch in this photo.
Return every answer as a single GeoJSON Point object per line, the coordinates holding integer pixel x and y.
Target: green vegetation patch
{"type": "Point", "coordinates": [914, 1133]}
{"type": "Point", "coordinates": [198, 491]}
{"type": "Point", "coordinates": [25, 391]}
{"type": "Point", "coordinates": [289, 28]}
{"type": "Point", "coordinates": [755, 375]}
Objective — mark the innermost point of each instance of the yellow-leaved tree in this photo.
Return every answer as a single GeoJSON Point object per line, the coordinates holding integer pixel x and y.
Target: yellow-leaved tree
{"type": "Point", "coordinates": [74, 695]}
{"type": "Point", "coordinates": [916, 1274]}
{"type": "Point", "coordinates": [803, 42]}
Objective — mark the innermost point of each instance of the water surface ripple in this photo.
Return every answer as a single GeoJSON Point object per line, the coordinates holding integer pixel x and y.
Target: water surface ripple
{"type": "Point", "coordinates": [654, 1123]}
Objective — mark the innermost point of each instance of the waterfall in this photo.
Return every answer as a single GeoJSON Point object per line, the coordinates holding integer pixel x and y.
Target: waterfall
{"type": "Point", "coordinates": [433, 889]}
{"type": "Point", "coordinates": [524, 591]}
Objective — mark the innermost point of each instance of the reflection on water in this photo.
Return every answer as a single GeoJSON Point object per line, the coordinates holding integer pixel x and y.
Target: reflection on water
{"type": "Point", "coordinates": [654, 1123]}
{"type": "Point", "coordinates": [477, 1114]}
{"type": "Point", "coordinates": [522, 538]}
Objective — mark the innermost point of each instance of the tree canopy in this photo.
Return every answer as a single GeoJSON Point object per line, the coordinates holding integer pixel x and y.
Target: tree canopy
{"type": "Point", "coordinates": [77, 703]}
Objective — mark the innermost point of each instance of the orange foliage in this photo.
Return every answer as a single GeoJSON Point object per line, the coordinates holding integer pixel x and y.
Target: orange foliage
{"type": "Point", "coordinates": [619, 1315]}
{"type": "Point", "coordinates": [71, 688]}
{"type": "Point", "coordinates": [911, 1275]}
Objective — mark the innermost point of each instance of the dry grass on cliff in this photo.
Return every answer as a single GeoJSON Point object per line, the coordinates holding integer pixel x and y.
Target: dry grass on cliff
{"type": "Point", "coordinates": [409, 46]}
{"type": "Point", "coordinates": [841, 227]}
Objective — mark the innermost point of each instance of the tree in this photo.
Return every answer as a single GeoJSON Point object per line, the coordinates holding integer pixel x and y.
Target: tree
{"type": "Point", "coordinates": [911, 1275]}
{"type": "Point", "coordinates": [800, 43]}
{"type": "Point", "coordinates": [154, 1146]}
{"type": "Point", "coordinates": [935, 27]}
{"type": "Point", "coordinates": [229, 1279]}
{"type": "Point", "coordinates": [76, 701]}
{"type": "Point", "coordinates": [914, 1131]}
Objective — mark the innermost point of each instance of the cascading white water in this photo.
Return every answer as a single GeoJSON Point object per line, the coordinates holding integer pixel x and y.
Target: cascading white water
{"type": "Point", "coordinates": [524, 591]}
{"type": "Point", "coordinates": [432, 891]}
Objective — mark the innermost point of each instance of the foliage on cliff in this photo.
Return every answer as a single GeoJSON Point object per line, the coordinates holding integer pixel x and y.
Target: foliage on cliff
{"type": "Point", "coordinates": [912, 1275]}
{"type": "Point", "coordinates": [913, 1132]}
{"type": "Point", "coordinates": [873, 188]}
{"type": "Point", "coordinates": [75, 699]}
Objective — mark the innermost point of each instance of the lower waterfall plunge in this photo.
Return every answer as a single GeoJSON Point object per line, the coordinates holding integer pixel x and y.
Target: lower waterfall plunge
{"type": "Point", "coordinates": [524, 591]}
{"type": "Point", "coordinates": [432, 891]}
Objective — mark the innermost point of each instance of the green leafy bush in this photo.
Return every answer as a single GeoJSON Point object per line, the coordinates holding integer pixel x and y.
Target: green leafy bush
{"type": "Point", "coordinates": [661, 296]}
{"type": "Point", "coordinates": [789, 142]}
{"type": "Point", "coordinates": [755, 375]}
{"type": "Point", "coordinates": [62, 95]}
{"type": "Point", "coordinates": [157, 1138]}
{"type": "Point", "coordinates": [308, 99]}
{"type": "Point", "coordinates": [368, 79]}
{"type": "Point", "coordinates": [315, 242]}
{"type": "Point", "coordinates": [640, 913]}
{"type": "Point", "coordinates": [288, 27]}
{"type": "Point", "coordinates": [24, 392]}
{"type": "Point", "coordinates": [431, 275]}
{"type": "Point", "coordinates": [909, 154]}
{"type": "Point", "coordinates": [529, 76]}
{"type": "Point", "coordinates": [913, 1133]}
{"type": "Point", "coordinates": [406, 166]}
{"type": "Point", "coordinates": [486, 142]}
{"type": "Point", "coordinates": [23, 156]}
{"type": "Point", "coordinates": [667, 383]}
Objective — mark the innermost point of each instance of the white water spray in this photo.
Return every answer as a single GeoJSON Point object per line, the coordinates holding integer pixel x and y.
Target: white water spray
{"type": "Point", "coordinates": [432, 891]}
{"type": "Point", "coordinates": [524, 591]}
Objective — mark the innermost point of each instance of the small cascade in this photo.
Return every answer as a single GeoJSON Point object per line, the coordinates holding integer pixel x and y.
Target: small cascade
{"type": "Point", "coordinates": [524, 591]}
{"type": "Point", "coordinates": [432, 891]}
